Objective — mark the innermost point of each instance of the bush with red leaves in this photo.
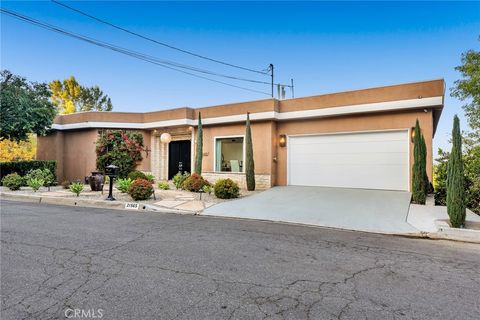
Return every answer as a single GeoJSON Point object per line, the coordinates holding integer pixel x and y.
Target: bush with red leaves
{"type": "Point", "coordinates": [141, 189]}
{"type": "Point", "coordinates": [195, 183]}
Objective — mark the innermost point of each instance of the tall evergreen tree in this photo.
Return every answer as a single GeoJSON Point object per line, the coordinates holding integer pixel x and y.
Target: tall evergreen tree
{"type": "Point", "coordinates": [199, 147]}
{"type": "Point", "coordinates": [456, 179]}
{"type": "Point", "coordinates": [418, 179]}
{"type": "Point", "coordinates": [426, 182]}
{"type": "Point", "coordinates": [249, 164]}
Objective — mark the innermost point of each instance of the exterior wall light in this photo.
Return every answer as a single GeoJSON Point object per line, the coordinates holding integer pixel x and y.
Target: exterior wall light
{"type": "Point", "coordinates": [412, 134]}
{"type": "Point", "coordinates": [283, 140]}
{"type": "Point", "coordinates": [165, 137]}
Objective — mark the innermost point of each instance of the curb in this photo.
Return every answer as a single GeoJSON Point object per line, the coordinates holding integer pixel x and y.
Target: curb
{"type": "Point", "coordinates": [455, 234]}
{"type": "Point", "coordinates": [88, 203]}
{"type": "Point", "coordinates": [444, 233]}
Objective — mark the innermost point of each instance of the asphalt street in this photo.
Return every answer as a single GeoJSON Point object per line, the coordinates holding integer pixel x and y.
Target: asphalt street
{"type": "Point", "coordinates": [58, 260]}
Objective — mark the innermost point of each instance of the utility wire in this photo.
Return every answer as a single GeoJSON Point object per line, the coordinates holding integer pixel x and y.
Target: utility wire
{"type": "Point", "coordinates": [263, 72]}
{"type": "Point", "coordinates": [156, 41]}
{"type": "Point", "coordinates": [125, 51]}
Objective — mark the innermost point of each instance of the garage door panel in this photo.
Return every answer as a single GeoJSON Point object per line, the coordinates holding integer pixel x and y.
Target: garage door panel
{"type": "Point", "coordinates": [377, 160]}
{"type": "Point", "coordinates": [351, 157]}
{"type": "Point", "coordinates": [349, 138]}
{"type": "Point", "coordinates": [358, 160]}
{"type": "Point", "coordinates": [352, 177]}
{"type": "Point", "coordinates": [355, 147]}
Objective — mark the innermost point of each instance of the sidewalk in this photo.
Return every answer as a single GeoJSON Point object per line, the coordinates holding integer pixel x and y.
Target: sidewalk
{"type": "Point", "coordinates": [433, 221]}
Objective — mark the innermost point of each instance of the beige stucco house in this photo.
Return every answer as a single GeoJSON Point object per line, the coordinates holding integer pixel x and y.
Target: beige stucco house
{"type": "Point", "coordinates": [359, 139]}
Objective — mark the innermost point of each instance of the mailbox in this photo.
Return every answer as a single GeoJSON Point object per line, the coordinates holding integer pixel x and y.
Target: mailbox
{"type": "Point", "coordinates": [111, 171]}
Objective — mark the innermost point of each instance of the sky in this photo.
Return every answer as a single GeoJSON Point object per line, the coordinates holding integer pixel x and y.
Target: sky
{"type": "Point", "coordinates": [324, 46]}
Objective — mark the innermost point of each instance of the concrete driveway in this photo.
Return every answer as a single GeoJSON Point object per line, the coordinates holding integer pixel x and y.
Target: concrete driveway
{"type": "Point", "coordinates": [354, 209]}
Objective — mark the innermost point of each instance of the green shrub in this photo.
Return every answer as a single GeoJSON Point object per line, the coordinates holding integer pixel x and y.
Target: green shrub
{"type": "Point", "coordinates": [473, 195]}
{"type": "Point", "coordinates": [76, 187]}
{"type": "Point", "coordinates": [124, 184]}
{"type": "Point", "coordinates": [121, 159]}
{"type": "Point", "coordinates": [440, 196]}
{"type": "Point", "coordinates": [179, 179]}
{"type": "Point", "coordinates": [23, 167]}
{"type": "Point", "coordinates": [65, 184]}
{"type": "Point", "coordinates": [194, 183]}
{"type": "Point", "coordinates": [226, 189]}
{"type": "Point", "coordinates": [207, 189]}
{"type": "Point", "coordinates": [163, 185]}
{"type": "Point", "coordinates": [13, 181]}
{"type": "Point", "coordinates": [150, 177]}
{"type": "Point", "coordinates": [141, 189]}
{"type": "Point", "coordinates": [41, 174]}
{"type": "Point", "coordinates": [472, 178]}
{"type": "Point", "coordinates": [35, 183]}
{"type": "Point", "coordinates": [134, 175]}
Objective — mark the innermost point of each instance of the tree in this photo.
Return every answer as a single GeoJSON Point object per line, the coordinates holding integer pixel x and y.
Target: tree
{"type": "Point", "coordinates": [70, 97]}
{"type": "Point", "coordinates": [468, 88]}
{"type": "Point", "coordinates": [249, 164]}
{"type": "Point", "coordinates": [426, 182]}
{"type": "Point", "coordinates": [199, 147]}
{"type": "Point", "coordinates": [11, 150]}
{"type": "Point", "coordinates": [25, 107]}
{"type": "Point", "coordinates": [456, 180]}
{"type": "Point", "coordinates": [419, 166]}
{"type": "Point", "coordinates": [471, 167]}
{"type": "Point", "coordinates": [66, 95]}
{"type": "Point", "coordinates": [93, 99]}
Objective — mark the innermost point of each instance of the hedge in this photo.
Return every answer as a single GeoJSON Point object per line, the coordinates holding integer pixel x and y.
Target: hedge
{"type": "Point", "coordinates": [23, 167]}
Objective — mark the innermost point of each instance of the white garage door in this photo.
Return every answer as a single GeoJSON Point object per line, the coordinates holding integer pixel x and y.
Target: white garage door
{"type": "Point", "coordinates": [371, 160]}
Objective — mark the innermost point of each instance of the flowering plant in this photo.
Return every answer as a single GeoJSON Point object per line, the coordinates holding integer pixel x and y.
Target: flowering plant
{"type": "Point", "coordinates": [121, 148]}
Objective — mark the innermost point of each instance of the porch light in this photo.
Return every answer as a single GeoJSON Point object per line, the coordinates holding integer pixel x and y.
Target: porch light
{"type": "Point", "coordinates": [165, 137]}
{"type": "Point", "coordinates": [412, 133]}
{"type": "Point", "coordinates": [283, 140]}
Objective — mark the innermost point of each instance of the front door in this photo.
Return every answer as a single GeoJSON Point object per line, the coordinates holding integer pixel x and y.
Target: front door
{"type": "Point", "coordinates": [179, 153]}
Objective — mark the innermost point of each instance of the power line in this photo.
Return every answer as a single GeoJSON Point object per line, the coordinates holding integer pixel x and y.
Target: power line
{"type": "Point", "coordinates": [156, 41]}
{"type": "Point", "coordinates": [263, 72]}
{"type": "Point", "coordinates": [125, 51]}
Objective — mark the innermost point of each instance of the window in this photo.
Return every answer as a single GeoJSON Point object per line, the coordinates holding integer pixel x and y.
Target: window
{"type": "Point", "coordinates": [229, 154]}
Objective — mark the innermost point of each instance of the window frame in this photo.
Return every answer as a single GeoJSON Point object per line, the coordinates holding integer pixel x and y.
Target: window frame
{"type": "Point", "coordinates": [215, 138]}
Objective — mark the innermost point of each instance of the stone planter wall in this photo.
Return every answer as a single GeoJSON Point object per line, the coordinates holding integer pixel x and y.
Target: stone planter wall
{"type": "Point", "coordinates": [262, 181]}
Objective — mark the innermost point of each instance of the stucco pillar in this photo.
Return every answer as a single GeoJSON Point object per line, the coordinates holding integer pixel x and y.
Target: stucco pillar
{"type": "Point", "coordinates": [154, 165]}
{"type": "Point", "coordinates": [163, 160]}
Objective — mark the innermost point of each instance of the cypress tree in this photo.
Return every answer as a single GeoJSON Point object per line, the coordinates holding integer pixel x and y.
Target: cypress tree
{"type": "Point", "coordinates": [426, 182]}
{"type": "Point", "coordinates": [418, 179]}
{"type": "Point", "coordinates": [455, 179]}
{"type": "Point", "coordinates": [249, 164]}
{"type": "Point", "coordinates": [199, 147]}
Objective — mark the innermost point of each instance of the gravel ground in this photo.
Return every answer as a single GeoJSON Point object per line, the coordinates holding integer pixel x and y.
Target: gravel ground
{"type": "Point", "coordinates": [58, 191]}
